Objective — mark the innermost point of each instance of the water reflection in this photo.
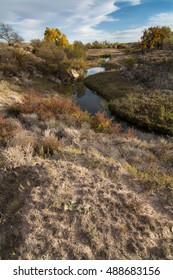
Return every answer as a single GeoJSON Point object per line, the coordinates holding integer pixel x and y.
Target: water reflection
{"type": "Point", "coordinates": [94, 70]}
{"type": "Point", "coordinates": [89, 100]}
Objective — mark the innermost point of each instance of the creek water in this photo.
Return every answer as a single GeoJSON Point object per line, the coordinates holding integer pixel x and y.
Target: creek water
{"type": "Point", "coordinates": [90, 101]}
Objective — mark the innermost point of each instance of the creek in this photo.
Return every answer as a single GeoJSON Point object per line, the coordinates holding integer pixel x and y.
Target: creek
{"type": "Point", "coordinates": [90, 101]}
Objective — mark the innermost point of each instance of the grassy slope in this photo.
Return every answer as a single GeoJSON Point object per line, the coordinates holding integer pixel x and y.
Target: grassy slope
{"type": "Point", "coordinates": [110, 84]}
{"type": "Point", "coordinates": [91, 198]}
{"type": "Point", "coordinates": [151, 109]}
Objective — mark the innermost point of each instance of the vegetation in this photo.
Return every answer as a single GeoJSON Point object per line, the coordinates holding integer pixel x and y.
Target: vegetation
{"type": "Point", "coordinates": [47, 108]}
{"type": "Point", "coordinates": [100, 174]}
{"type": "Point", "coordinates": [8, 34]}
{"type": "Point", "coordinates": [55, 36]}
{"type": "Point", "coordinates": [116, 84]}
{"type": "Point", "coordinates": [105, 45]}
{"type": "Point", "coordinates": [73, 186]}
{"type": "Point", "coordinates": [155, 37]}
{"type": "Point", "coordinates": [145, 108]}
{"type": "Point", "coordinates": [7, 130]}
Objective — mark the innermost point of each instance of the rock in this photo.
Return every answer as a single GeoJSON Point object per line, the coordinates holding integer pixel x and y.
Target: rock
{"type": "Point", "coordinates": [15, 80]}
{"type": "Point", "coordinates": [55, 80]}
{"type": "Point", "coordinates": [31, 68]}
{"type": "Point", "coordinates": [26, 81]}
{"type": "Point", "coordinates": [37, 75]}
{"type": "Point", "coordinates": [22, 74]}
{"type": "Point", "coordinates": [74, 73]}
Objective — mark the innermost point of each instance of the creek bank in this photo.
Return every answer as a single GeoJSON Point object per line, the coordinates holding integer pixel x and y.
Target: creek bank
{"type": "Point", "coordinates": [133, 102]}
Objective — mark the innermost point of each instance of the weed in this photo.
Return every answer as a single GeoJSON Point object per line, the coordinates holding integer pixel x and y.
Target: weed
{"type": "Point", "coordinates": [131, 133]}
{"type": "Point", "coordinates": [129, 63]}
{"type": "Point", "coordinates": [77, 207]}
{"type": "Point", "coordinates": [14, 206]}
{"type": "Point", "coordinates": [100, 123]}
{"type": "Point", "coordinates": [18, 155]}
{"type": "Point", "coordinates": [7, 129]}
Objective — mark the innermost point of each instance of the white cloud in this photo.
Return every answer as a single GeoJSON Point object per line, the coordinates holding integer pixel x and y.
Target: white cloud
{"type": "Point", "coordinates": [78, 19]}
{"type": "Point", "coordinates": [30, 28]}
{"type": "Point", "coordinates": [162, 19]}
{"type": "Point", "coordinates": [129, 35]}
{"type": "Point", "coordinates": [134, 34]}
{"type": "Point", "coordinates": [30, 17]}
{"type": "Point", "coordinates": [135, 2]}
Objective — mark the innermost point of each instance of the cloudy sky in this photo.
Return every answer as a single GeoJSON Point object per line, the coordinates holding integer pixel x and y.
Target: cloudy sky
{"type": "Point", "coordinates": [87, 20]}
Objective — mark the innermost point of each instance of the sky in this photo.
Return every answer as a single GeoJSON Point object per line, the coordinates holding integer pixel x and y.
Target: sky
{"type": "Point", "coordinates": [87, 20]}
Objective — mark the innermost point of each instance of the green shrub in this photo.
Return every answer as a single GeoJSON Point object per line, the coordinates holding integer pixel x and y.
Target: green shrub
{"type": "Point", "coordinates": [129, 63]}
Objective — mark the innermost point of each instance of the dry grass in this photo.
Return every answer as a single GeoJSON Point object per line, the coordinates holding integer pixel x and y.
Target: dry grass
{"type": "Point", "coordinates": [49, 144]}
{"type": "Point", "coordinates": [9, 94]}
{"type": "Point", "coordinates": [18, 156]}
{"type": "Point", "coordinates": [71, 192]}
{"type": "Point", "coordinates": [94, 200]}
{"type": "Point", "coordinates": [8, 129]}
{"type": "Point", "coordinates": [81, 215]}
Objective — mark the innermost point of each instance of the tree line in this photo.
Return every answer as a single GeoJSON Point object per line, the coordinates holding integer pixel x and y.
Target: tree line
{"type": "Point", "coordinates": [153, 38]}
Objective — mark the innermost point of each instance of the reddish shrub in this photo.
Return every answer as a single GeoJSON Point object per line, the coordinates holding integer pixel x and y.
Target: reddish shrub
{"type": "Point", "coordinates": [131, 133]}
{"type": "Point", "coordinates": [99, 122]}
{"type": "Point", "coordinates": [48, 107]}
{"type": "Point", "coordinates": [6, 129]}
{"type": "Point", "coordinates": [116, 128]}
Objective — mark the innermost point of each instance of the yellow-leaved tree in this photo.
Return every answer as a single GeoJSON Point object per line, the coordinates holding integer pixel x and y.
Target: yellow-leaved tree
{"type": "Point", "coordinates": [54, 35]}
{"type": "Point", "coordinates": [155, 37]}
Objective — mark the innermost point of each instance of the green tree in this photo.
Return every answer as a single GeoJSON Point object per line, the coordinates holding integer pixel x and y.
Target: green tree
{"type": "Point", "coordinates": [79, 50]}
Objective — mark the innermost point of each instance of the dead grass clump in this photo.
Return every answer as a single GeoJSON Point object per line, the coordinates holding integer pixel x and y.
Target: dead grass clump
{"type": "Point", "coordinates": [116, 128]}
{"type": "Point", "coordinates": [24, 138]}
{"type": "Point", "coordinates": [18, 156]}
{"type": "Point", "coordinates": [8, 128]}
{"type": "Point", "coordinates": [49, 144]}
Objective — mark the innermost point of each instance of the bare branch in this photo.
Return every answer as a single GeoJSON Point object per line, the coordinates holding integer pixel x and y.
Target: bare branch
{"type": "Point", "coordinates": [7, 34]}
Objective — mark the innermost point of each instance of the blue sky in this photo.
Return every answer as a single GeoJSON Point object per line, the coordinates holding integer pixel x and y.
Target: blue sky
{"type": "Point", "coordinates": [87, 20]}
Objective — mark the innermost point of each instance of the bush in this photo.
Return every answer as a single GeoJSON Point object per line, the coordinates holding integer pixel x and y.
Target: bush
{"type": "Point", "coordinates": [7, 129]}
{"type": "Point", "coordinates": [18, 156]}
{"type": "Point", "coordinates": [47, 108]}
{"type": "Point", "coordinates": [49, 144]}
{"type": "Point", "coordinates": [100, 123]}
{"type": "Point", "coordinates": [53, 57]}
{"type": "Point", "coordinates": [129, 63]}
